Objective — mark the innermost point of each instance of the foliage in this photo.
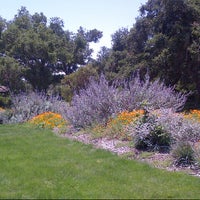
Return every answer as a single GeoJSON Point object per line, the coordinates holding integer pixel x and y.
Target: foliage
{"type": "Point", "coordinates": [76, 81]}
{"type": "Point", "coordinates": [44, 49]}
{"type": "Point", "coordinates": [102, 100]}
{"type": "Point", "coordinates": [149, 134]}
{"type": "Point", "coordinates": [11, 74]}
{"type": "Point", "coordinates": [5, 101]}
{"type": "Point", "coordinates": [183, 153]}
{"type": "Point", "coordinates": [37, 164]}
{"type": "Point", "coordinates": [164, 40]}
{"type": "Point", "coordinates": [27, 105]}
{"type": "Point", "coordinates": [49, 120]}
{"type": "Point", "coordinates": [163, 128]}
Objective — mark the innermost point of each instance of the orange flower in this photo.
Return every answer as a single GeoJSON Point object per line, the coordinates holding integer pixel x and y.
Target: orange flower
{"type": "Point", "coordinates": [126, 117]}
{"type": "Point", "coordinates": [49, 120]}
{"type": "Point", "coordinates": [193, 114]}
{"type": "Point", "coordinates": [2, 110]}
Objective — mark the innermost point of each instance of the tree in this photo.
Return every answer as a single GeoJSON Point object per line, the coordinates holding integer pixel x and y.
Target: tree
{"type": "Point", "coordinates": [12, 74]}
{"type": "Point", "coordinates": [165, 42]}
{"type": "Point", "coordinates": [45, 50]}
{"type": "Point", "coordinates": [76, 81]}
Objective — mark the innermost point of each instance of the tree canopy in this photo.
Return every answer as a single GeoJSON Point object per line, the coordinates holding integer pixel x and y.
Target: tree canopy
{"type": "Point", "coordinates": [44, 49]}
{"type": "Point", "coordinates": [165, 41]}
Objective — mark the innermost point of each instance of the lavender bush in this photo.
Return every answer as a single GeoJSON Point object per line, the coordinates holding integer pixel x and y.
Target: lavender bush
{"type": "Point", "coordinates": [27, 105]}
{"type": "Point", "coordinates": [99, 101]}
{"type": "Point", "coordinates": [95, 104]}
{"type": "Point", "coordinates": [152, 95]}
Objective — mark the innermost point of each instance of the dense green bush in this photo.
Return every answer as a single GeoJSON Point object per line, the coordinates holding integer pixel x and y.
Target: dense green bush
{"type": "Point", "coordinates": [76, 81]}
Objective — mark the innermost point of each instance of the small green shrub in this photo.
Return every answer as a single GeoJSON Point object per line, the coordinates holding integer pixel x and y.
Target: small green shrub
{"type": "Point", "coordinates": [183, 154]}
{"type": "Point", "coordinates": [5, 101]}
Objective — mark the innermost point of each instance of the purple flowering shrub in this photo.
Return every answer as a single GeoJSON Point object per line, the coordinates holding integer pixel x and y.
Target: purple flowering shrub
{"type": "Point", "coordinates": [153, 95]}
{"type": "Point", "coordinates": [101, 100]}
{"type": "Point", "coordinates": [95, 104]}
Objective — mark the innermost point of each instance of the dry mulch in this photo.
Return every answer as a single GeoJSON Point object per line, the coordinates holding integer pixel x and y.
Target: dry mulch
{"type": "Point", "coordinates": [122, 148]}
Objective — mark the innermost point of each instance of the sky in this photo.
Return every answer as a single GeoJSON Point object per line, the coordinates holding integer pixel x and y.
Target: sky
{"type": "Point", "coordinates": [107, 16]}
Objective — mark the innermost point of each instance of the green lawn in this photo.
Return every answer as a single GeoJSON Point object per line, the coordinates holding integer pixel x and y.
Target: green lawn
{"type": "Point", "coordinates": [36, 163]}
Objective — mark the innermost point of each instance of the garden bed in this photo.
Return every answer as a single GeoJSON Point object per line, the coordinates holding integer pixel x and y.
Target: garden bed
{"type": "Point", "coordinates": [125, 149]}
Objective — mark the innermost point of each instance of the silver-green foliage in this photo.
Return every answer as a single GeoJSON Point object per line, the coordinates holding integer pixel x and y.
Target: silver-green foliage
{"type": "Point", "coordinates": [27, 105]}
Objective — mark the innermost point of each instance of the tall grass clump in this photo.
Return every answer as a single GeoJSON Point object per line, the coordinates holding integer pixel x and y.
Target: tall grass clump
{"type": "Point", "coordinates": [100, 100]}
{"type": "Point", "coordinates": [27, 105]}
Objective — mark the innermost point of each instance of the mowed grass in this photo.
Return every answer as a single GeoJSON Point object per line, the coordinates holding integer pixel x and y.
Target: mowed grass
{"type": "Point", "coordinates": [35, 163]}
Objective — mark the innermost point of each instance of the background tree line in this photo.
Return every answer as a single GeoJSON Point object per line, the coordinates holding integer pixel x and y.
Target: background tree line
{"type": "Point", "coordinates": [164, 41]}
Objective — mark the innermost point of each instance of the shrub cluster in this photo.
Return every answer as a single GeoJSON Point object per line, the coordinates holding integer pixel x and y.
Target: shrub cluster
{"type": "Point", "coordinates": [139, 109]}
{"type": "Point", "coordinates": [164, 130]}
{"type": "Point", "coordinates": [27, 105]}
{"type": "Point", "coordinates": [152, 95]}
{"type": "Point", "coordinates": [101, 100]}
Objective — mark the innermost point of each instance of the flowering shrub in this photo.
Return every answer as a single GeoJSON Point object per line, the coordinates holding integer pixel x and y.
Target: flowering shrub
{"type": "Point", "coordinates": [152, 95]}
{"type": "Point", "coordinates": [49, 120]}
{"type": "Point", "coordinates": [101, 100]}
{"type": "Point", "coordinates": [117, 127]}
{"type": "Point", "coordinates": [95, 104]}
{"type": "Point", "coordinates": [27, 105]}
